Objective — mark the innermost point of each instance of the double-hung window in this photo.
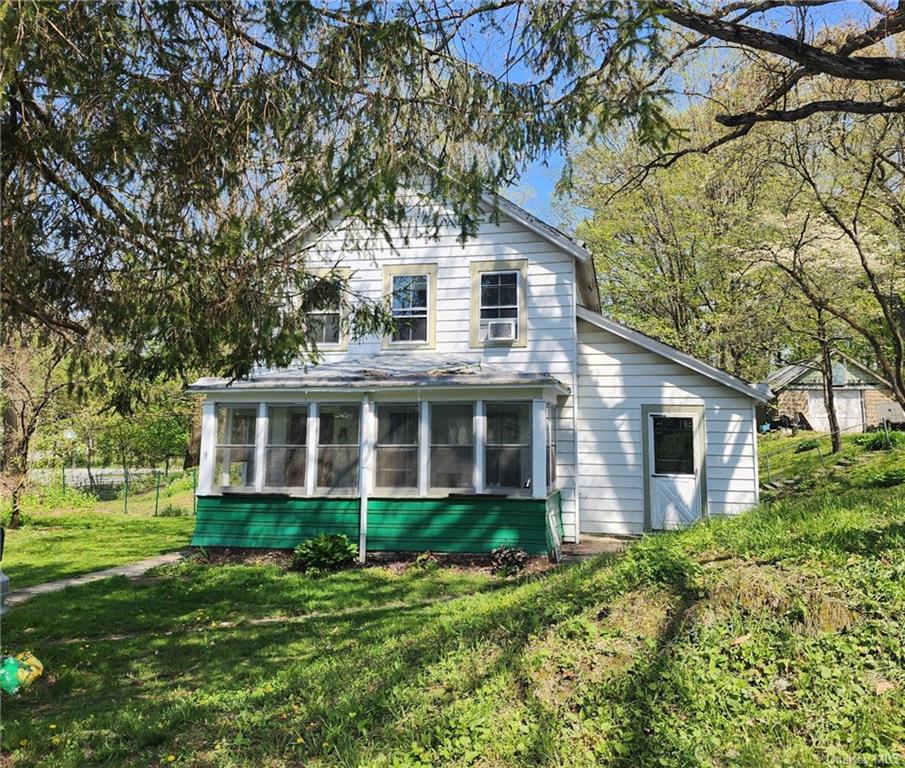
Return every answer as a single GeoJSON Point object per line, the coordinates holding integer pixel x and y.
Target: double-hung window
{"type": "Point", "coordinates": [397, 446]}
{"type": "Point", "coordinates": [287, 446]}
{"type": "Point", "coordinates": [499, 307]}
{"type": "Point", "coordinates": [507, 462]}
{"type": "Point", "coordinates": [409, 305]}
{"type": "Point", "coordinates": [411, 293]}
{"type": "Point", "coordinates": [451, 445]}
{"type": "Point", "coordinates": [337, 448]}
{"type": "Point", "coordinates": [498, 303]}
{"type": "Point", "coordinates": [234, 465]}
{"type": "Point", "coordinates": [326, 318]}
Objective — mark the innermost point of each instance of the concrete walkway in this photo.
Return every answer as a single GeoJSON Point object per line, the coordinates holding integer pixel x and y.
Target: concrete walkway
{"type": "Point", "coordinates": [130, 571]}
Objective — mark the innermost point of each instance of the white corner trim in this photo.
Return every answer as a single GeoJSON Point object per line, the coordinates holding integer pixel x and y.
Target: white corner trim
{"type": "Point", "coordinates": [760, 392]}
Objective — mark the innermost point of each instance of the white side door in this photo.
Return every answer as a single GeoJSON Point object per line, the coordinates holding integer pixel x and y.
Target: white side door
{"type": "Point", "coordinates": [674, 470]}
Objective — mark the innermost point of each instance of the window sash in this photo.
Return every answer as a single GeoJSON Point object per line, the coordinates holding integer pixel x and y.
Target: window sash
{"type": "Point", "coordinates": [410, 314]}
{"type": "Point", "coordinates": [325, 326]}
{"type": "Point", "coordinates": [338, 447]}
{"type": "Point", "coordinates": [490, 310]}
{"type": "Point", "coordinates": [451, 461]}
{"type": "Point", "coordinates": [507, 462]}
{"type": "Point", "coordinates": [397, 446]}
{"type": "Point", "coordinates": [285, 459]}
{"type": "Point", "coordinates": [234, 460]}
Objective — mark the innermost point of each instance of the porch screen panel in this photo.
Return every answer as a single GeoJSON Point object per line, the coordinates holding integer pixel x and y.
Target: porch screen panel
{"type": "Point", "coordinates": [234, 456]}
{"type": "Point", "coordinates": [551, 447]}
{"type": "Point", "coordinates": [337, 450]}
{"type": "Point", "coordinates": [452, 445]}
{"type": "Point", "coordinates": [287, 446]}
{"type": "Point", "coordinates": [397, 446]}
{"type": "Point", "coordinates": [507, 452]}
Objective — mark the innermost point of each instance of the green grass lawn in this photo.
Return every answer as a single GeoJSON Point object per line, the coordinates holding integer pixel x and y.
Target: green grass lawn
{"type": "Point", "coordinates": [855, 466]}
{"type": "Point", "coordinates": [775, 639]}
{"type": "Point", "coordinates": [68, 533]}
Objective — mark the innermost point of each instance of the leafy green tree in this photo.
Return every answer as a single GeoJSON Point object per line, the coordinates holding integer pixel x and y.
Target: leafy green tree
{"type": "Point", "coordinates": [157, 156]}
{"type": "Point", "coordinates": [676, 253]}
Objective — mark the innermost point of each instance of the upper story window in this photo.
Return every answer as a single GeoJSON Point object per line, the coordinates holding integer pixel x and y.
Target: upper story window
{"type": "Point", "coordinates": [410, 308]}
{"type": "Point", "coordinates": [498, 303]}
{"type": "Point", "coordinates": [412, 297]}
{"type": "Point", "coordinates": [499, 307]}
{"type": "Point", "coordinates": [325, 320]}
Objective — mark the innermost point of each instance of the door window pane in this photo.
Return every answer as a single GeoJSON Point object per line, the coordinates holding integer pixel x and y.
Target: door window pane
{"type": "Point", "coordinates": [409, 307]}
{"type": "Point", "coordinates": [234, 455]}
{"type": "Point", "coordinates": [452, 445]}
{"type": "Point", "coordinates": [397, 446]}
{"type": "Point", "coordinates": [337, 450]}
{"type": "Point", "coordinates": [673, 445]}
{"type": "Point", "coordinates": [287, 439]}
{"type": "Point", "coordinates": [508, 449]}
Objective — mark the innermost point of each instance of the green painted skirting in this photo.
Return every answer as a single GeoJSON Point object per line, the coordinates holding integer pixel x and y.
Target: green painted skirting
{"type": "Point", "coordinates": [456, 524]}
{"type": "Point", "coordinates": [475, 524]}
{"type": "Point", "coordinates": [271, 522]}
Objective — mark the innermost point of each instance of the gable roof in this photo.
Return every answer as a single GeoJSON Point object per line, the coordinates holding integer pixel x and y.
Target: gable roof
{"type": "Point", "coordinates": [759, 392]}
{"type": "Point", "coordinates": [789, 374]}
{"type": "Point", "coordinates": [585, 274]}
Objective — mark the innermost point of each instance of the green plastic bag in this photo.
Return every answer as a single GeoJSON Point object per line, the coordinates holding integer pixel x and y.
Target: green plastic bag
{"type": "Point", "coordinates": [19, 671]}
{"type": "Point", "coordinates": [9, 674]}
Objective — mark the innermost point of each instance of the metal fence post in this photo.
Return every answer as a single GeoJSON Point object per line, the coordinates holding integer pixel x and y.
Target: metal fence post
{"type": "Point", "coordinates": [125, 491]}
{"type": "Point", "coordinates": [64, 477]}
{"type": "Point", "coordinates": [157, 491]}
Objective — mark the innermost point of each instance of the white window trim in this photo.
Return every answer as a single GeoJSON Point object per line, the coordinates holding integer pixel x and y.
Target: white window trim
{"type": "Point", "coordinates": [517, 307]}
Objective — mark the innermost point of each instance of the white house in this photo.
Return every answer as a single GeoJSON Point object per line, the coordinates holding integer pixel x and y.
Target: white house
{"type": "Point", "coordinates": [504, 409]}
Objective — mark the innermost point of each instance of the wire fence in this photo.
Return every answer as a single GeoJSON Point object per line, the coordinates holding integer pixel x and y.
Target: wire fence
{"type": "Point", "coordinates": [823, 451]}
{"type": "Point", "coordinates": [108, 484]}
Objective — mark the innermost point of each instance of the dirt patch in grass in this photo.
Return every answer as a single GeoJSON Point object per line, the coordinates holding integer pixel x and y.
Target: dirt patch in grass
{"type": "Point", "coordinates": [812, 605]}
{"type": "Point", "coordinates": [601, 644]}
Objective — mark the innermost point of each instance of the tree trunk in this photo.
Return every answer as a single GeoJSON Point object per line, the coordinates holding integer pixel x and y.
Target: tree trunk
{"type": "Point", "coordinates": [826, 364]}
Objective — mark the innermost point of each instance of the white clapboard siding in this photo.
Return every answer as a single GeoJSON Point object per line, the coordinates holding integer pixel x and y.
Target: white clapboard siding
{"type": "Point", "coordinates": [615, 379]}
{"type": "Point", "coordinates": [550, 304]}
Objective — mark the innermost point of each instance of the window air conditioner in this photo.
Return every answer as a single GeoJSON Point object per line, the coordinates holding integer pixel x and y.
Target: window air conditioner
{"type": "Point", "coordinates": [501, 330]}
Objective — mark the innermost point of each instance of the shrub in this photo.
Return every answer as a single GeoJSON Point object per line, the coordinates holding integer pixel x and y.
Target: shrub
{"type": "Point", "coordinates": [326, 552]}
{"type": "Point", "coordinates": [425, 562]}
{"type": "Point", "coordinates": [888, 478]}
{"type": "Point", "coordinates": [806, 445]}
{"type": "Point", "coordinates": [879, 441]}
{"type": "Point", "coordinates": [508, 561]}
{"type": "Point", "coordinates": [170, 510]}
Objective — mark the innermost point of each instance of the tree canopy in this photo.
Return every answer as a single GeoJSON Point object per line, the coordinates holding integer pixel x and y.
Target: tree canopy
{"type": "Point", "coordinates": [157, 155]}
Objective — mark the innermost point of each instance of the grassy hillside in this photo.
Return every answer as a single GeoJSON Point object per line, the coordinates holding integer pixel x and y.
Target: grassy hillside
{"type": "Point", "coordinates": [774, 639]}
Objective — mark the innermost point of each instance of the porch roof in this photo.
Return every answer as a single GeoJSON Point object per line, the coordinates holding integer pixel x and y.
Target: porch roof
{"type": "Point", "coordinates": [388, 370]}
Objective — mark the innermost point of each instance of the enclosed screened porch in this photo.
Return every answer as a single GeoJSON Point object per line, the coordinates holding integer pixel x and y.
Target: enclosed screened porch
{"type": "Point", "coordinates": [397, 452]}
